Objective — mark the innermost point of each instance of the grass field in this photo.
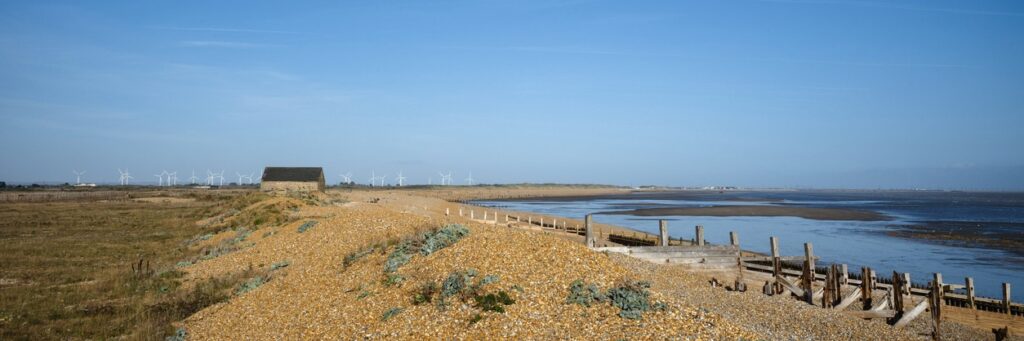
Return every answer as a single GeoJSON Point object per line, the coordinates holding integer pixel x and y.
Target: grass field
{"type": "Point", "coordinates": [70, 270]}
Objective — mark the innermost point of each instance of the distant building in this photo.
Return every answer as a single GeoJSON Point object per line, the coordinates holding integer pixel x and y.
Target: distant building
{"type": "Point", "coordinates": [307, 179]}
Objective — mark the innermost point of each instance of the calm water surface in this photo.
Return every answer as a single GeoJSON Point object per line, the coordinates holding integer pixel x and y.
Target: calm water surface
{"type": "Point", "coordinates": [856, 243]}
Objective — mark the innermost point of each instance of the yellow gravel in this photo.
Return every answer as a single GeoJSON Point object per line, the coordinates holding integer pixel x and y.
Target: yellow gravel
{"type": "Point", "coordinates": [316, 297]}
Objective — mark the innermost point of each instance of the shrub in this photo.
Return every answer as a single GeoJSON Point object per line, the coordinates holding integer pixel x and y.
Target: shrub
{"type": "Point", "coordinates": [390, 313]}
{"type": "Point", "coordinates": [307, 225]}
{"type": "Point", "coordinates": [183, 263]}
{"type": "Point", "coordinates": [488, 280]}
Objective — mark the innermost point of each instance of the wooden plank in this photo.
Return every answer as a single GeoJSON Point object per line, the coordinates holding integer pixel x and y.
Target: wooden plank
{"type": "Point", "coordinates": [969, 284]}
{"type": "Point", "coordinates": [789, 286]}
{"type": "Point", "coordinates": [911, 315]}
{"type": "Point", "coordinates": [849, 299]}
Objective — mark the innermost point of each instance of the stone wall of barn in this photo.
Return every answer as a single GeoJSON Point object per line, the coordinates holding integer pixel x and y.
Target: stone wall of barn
{"type": "Point", "coordinates": [302, 186]}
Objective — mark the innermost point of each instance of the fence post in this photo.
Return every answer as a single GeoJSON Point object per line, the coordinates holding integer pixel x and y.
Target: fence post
{"type": "Point", "coordinates": [734, 239]}
{"type": "Point", "coordinates": [1006, 297]}
{"type": "Point", "coordinates": [969, 285]}
{"type": "Point", "coordinates": [809, 273]}
{"type": "Point", "coordinates": [700, 235]}
{"type": "Point", "coordinates": [663, 229]}
{"type": "Point", "coordinates": [938, 292]}
{"type": "Point", "coordinates": [590, 231]}
{"type": "Point", "coordinates": [460, 211]}
{"type": "Point", "coordinates": [845, 273]}
{"type": "Point", "coordinates": [775, 255]}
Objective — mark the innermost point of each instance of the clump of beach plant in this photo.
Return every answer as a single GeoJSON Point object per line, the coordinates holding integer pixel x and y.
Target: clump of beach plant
{"type": "Point", "coordinates": [179, 335]}
{"type": "Point", "coordinates": [460, 283]}
{"type": "Point", "coordinates": [184, 263]}
{"type": "Point", "coordinates": [250, 285]}
{"type": "Point", "coordinates": [279, 265]}
{"type": "Point", "coordinates": [390, 313]}
{"type": "Point", "coordinates": [393, 279]}
{"type": "Point", "coordinates": [584, 294]}
{"type": "Point", "coordinates": [442, 238]}
{"type": "Point", "coordinates": [425, 293]}
{"type": "Point", "coordinates": [631, 297]}
{"type": "Point", "coordinates": [307, 225]}
{"type": "Point", "coordinates": [493, 302]}
{"type": "Point", "coordinates": [398, 257]}
{"type": "Point", "coordinates": [353, 257]}
{"type": "Point", "coordinates": [426, 244]}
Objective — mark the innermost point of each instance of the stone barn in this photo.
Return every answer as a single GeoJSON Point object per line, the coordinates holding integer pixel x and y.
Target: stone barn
{"type": "Point", "coordinates": [305, 179]}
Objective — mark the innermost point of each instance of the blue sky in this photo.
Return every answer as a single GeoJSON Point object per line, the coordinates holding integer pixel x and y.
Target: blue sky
{"type": "Point", "coordinates": [856, 94]}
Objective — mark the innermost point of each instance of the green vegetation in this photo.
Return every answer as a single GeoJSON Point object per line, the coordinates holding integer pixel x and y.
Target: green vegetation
{"type": "Point", "coordinates": [67, 266]}
{"type": "Point", "coordinates": [280, 265]}
{"type": "Point", "coordinates": [425, 243]}
{"type": "Point", "coordinates": [250, 285]}
{"type": "Point", "coordinates": [631, 297]}
{"type": "Point", "coordinates": [306, 226]}
{"type": "Point", "coordinates": [390, 313]}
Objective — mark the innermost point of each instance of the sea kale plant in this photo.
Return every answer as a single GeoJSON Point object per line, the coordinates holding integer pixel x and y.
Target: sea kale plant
{"type": "Point", "coordinates": [631, 297]}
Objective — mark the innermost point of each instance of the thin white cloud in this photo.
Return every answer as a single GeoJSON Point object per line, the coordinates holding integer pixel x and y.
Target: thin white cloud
{"type": "Point", "coordinates": [223, 44]}
{"type": "Point", "coordinates": [221, 29]}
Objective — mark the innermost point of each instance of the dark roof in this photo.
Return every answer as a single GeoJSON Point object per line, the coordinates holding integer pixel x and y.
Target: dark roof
{"type": "Point", "coordinates": [292, 173]}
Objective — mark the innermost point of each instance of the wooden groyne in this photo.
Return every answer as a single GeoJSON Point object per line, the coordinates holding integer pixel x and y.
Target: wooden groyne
{"type": "Point", "coordinates": [893, 297]}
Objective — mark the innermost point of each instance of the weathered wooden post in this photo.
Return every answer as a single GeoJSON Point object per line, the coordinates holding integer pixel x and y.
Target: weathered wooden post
{"type": "Point", "coordinates": [529, 220]}
{"type": "Point", "coordinates": [734, 239]}
{"type": "Point", "coordinates": [506, 218]}
{"type": "Point", "coordinates": [587, 223]}
{"type": "Point", "coordinates": [700, 235]}
{"type": "Point", "coordinates": [663, 231]}
{"type": "Point", "coordinates": [472, 214]}
{"type": "Point", "coordinates": [460, 211]}
{"type": "Point", "coordinates": [485, 215]}
{"type": "Point", "coordinates": [969, 286]}
{"type": "Point", "coordinates": [937, 300]}
{"type": "Point", "coordinates": [775, 256]}
{"type": "Point", "coordinates": [809, 273]}
{"type": "Point", "coordinates": [517, 218]}
{"type": "Point", "coordinates": [845, 273]}
{"type": "Point", "coordinates": [865, 287]}
{"type": "Point", "coordinates": [445, 211]}
{"type": "Point", "coordinates": [906, 283]}
{"type": "Point", "coordinates": [542, 222]}
{"type": "Point", "coordinates": [1006, 297]}
{"type": "Point", "coordinates": [898, 286]}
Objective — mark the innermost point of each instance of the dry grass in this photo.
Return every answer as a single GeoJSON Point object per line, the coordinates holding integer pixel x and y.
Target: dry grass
{"type": "Point", "coordinates": [68, 269]}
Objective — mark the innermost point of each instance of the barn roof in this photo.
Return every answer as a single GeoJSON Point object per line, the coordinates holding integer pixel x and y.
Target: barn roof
{"type": "Point", "coordinates": [292, 173]}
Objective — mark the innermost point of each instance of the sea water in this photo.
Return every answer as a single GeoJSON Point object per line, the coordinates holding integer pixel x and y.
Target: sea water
{"type": "Point", "coordinates": [856, 243]}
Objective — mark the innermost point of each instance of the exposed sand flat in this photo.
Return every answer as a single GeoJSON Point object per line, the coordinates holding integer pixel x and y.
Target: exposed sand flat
{"type": "Point", "coordinates": [760, 211]}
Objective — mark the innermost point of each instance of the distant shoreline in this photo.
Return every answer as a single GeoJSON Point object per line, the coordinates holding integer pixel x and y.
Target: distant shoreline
{"type": "Point", "coordinates": [814, 213]}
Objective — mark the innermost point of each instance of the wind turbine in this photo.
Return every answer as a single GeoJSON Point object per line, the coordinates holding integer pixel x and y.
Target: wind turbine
{"type": "Point", "coordinates": [221, 176]}
{"type": "Point", "coordinates": [469, 180]}
{"type": "Point", "coordinates": [124, 176]}
{"type": "Point", "coordinates": [347, 177]}
{"type": "Point", "coordinates": [251, 177]}
{"type": "Point", "coordinates": [449, 177]}
{"type": "Point", "coordinates": [400, 178]}
{"type": "Point", "coordinates": [78, 176]}
{"type": "Point", "coordinates": [209, 177]}
{"type": "Point", "coordinates": [172, 178]}
{"type": "Point", "coordinates": [373, 177]}
{"type": "Point", "coordinates": [161, 177]}
{"type": "Point", "coordinates": [240, 177]}
{"type": "Point", "coordinates": [382, 180]}
{"type": "Point", "coordinates": [193, 178]}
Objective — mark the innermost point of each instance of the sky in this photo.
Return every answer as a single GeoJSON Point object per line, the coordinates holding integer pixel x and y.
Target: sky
{"type": "Point", "coordinates": [772, 93]}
